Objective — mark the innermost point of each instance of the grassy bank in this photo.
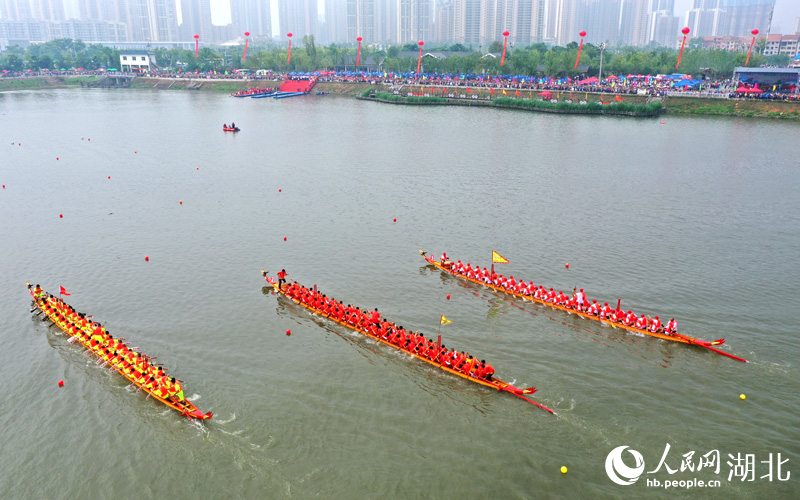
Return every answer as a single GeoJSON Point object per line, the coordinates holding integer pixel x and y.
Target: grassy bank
{"type": "Point", "coordinates": [750, 108]}
{"type": "Point", "coordinates": [45, 82]}
{"type": "Point", "coordinates": [590, 108]}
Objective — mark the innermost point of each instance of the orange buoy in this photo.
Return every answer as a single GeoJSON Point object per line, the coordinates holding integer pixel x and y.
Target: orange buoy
{"type": "Point", "coordinates": [181, 202]}
{"type": "Point", "coordinates": [61, 383]}
{"type": "Point", "coordinates": [135, 152]}
{"type": "Point", "coordinates": [279, 190]}
{"type": "Point", "coordinates": [56, 157]}
{"type": "Point", "coordinates": [147, 259]}
{"type": "Point", "coordinates": [567, 265]}
{"type": "Point", "coordinates": [109, 176]}
{"type": "Point", "coordinates": [198, 168]}
{"type": "Point", "coordinates": [448, 296]}
{"type": "Point", "coordinates": [288, 332]}
{"type": "Point", "coordinates": [90, 138]}
{"type": "Point", "coordinates": [284, 238]}
{"type": "Point", "coordinates": [4, 186]}
{"type": "Point", "coordinates": [395, 220]}
{"type": "Point", "coordinates": [60, 216]}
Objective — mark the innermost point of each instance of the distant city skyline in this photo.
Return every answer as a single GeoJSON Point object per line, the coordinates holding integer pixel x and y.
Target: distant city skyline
{"type": "Point", "coordinates": [472, 23]}
{"type": "Point", "coordinates": [783, 19]}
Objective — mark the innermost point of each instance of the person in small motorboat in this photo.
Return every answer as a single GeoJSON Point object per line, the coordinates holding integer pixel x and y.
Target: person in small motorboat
{"type": "Point", "coordinates": [233, 125]}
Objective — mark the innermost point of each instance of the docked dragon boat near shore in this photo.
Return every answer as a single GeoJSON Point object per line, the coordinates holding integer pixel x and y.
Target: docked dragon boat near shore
{"type": "Point", "coordinates": [569, 307]}
{"type": "Point", "coordinates": [415, 344]}
{"type": "Point", "coordinates": [114, 354]}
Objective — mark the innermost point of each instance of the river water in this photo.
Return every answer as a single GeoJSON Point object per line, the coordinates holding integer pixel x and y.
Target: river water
{"type": "Point", "coordinates": [692, 218]}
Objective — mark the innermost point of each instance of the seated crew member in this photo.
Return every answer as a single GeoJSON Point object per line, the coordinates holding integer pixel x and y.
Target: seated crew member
{"type": "Point", "coordinates": [641, 322]}
{"type": "Point", "coordinates": [281, 277]}
{"type": "Point", "coordinates": [655, 325]}
{"type": "Point", "coordinates": [672, 326]}
{"type": "Point", "coordinates": [176, 391]}
{"type": "Point", "coordinates": [445, 261]}
{"type": "Point", "coordinates": [487, 372]}
{"type": "Point", "coordinates": [580, 299]}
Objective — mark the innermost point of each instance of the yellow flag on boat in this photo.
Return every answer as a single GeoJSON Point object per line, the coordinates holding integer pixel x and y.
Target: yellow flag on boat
{"type": "Point", "coordinates": [498, 259]}
{"type": "Point", "coordinates": [444, 321]}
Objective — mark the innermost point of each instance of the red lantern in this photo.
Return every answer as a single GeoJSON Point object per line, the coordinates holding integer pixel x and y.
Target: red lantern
{"type": "Point", "coordinates": [196, 46]}
{"type": "Point", "coordinates": [358, 57]}
{"type": "Point", "coordinates": [246, 39]}
{"type": "Point", "coordinates": [580, 48]}
{"type": "Point", "coordinates": [754, 33]}
{"type": "Point", "coordinates": [419, 61]}
{"type": "Point", "coordinates": [505, 42]}
{"type": "Point", "coordinates": [685, 32]}
{"type": "Point", "coordinates": [290, 48]}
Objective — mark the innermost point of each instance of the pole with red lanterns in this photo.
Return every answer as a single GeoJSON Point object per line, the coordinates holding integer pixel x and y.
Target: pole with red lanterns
{"type": "Point", "coordinates": [685, 32]}
{"type": "Point", "coordinates": [580, 47]}
{"type": "Point", "coordinates": [196, 46]}
{"type": "Point", "coordinates": [290, 48]}
{"type": "Point", "coordinates": [246, 39]}
{"type": "Point", "coordinates": [754, 33]}
{"type": "Point", "coordinates": [358, 56]}
{"type": "Point", "coordinates": [505, 42]}
{"type": "Point", "coordinates": [419, 61]}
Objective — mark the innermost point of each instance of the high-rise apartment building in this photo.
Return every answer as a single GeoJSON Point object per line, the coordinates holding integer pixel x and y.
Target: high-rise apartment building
{"type": "Point", "coordinates": [252, 16]}
{"type": "Point", "coordinates": [196, 20]}
{"type": "Point", "coordinates": [729, 17]}
{"type": "Point", "coordinates": [298, 17]}
{"type": "Point", "coordinates": [633, 22]}
{"type": "Point", "coordinates": [153, 21]}
{"type": "Point", "coordinates": [663, 25]}
{"type": "Point", "coordinates": [746, 15]}
{"type": "Point", "coordinates": [413, 20]}
{"type": "Point", "coordinates": [467, 21]}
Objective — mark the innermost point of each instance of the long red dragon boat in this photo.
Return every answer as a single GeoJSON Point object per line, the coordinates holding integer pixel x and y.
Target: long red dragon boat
{"type": "Point", "coordinates": [85, 332]}
{"type": "Point", "coordinates": [674, 337]}
{"type": "Point", "coordinates": [493, 382]}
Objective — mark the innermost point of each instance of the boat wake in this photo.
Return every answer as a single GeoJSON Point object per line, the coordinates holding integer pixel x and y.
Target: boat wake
{"type": "Point", "coordinates": [222, 422]}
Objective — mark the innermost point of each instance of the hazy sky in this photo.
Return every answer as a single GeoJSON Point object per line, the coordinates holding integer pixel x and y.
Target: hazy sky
{"type": "Point", "coordinates": [783, 19]}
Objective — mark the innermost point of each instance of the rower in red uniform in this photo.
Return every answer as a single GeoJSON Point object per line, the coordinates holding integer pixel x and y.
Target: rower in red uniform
{"type": "Point", "coordinates": [605, 311]}
{"type": "Point", "coordinates": [641, 323]}
{"type": "Point", "coordinates": [580, 299]}
{"type": "Point", "coordinates": [487, 371]}
{"type": "Point", "coordinates": [281, 277]}
{"type": "Point", "coordinates": [672, 326]}
{"type": "Point", "coordinates": [445, 261]}
{"type": "Point", "coordinates": [655, 325]}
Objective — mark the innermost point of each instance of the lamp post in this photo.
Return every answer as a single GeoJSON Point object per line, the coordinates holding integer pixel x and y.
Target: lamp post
{"type": "Point", "coordinates": [600, 73]}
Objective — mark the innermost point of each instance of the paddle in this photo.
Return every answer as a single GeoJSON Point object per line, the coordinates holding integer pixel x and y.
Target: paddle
{"type": "Point", "coordinates": [505, 388]}
{"type": "Point", "coordinates": [703, 344]}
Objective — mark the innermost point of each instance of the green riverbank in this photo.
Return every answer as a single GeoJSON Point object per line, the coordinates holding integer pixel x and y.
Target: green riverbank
{"type": "Point", "coordinates": [672, 105]}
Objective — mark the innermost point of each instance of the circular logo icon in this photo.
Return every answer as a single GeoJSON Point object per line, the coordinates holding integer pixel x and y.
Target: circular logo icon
{"type": "Point", "coordinates": [619, 472]}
